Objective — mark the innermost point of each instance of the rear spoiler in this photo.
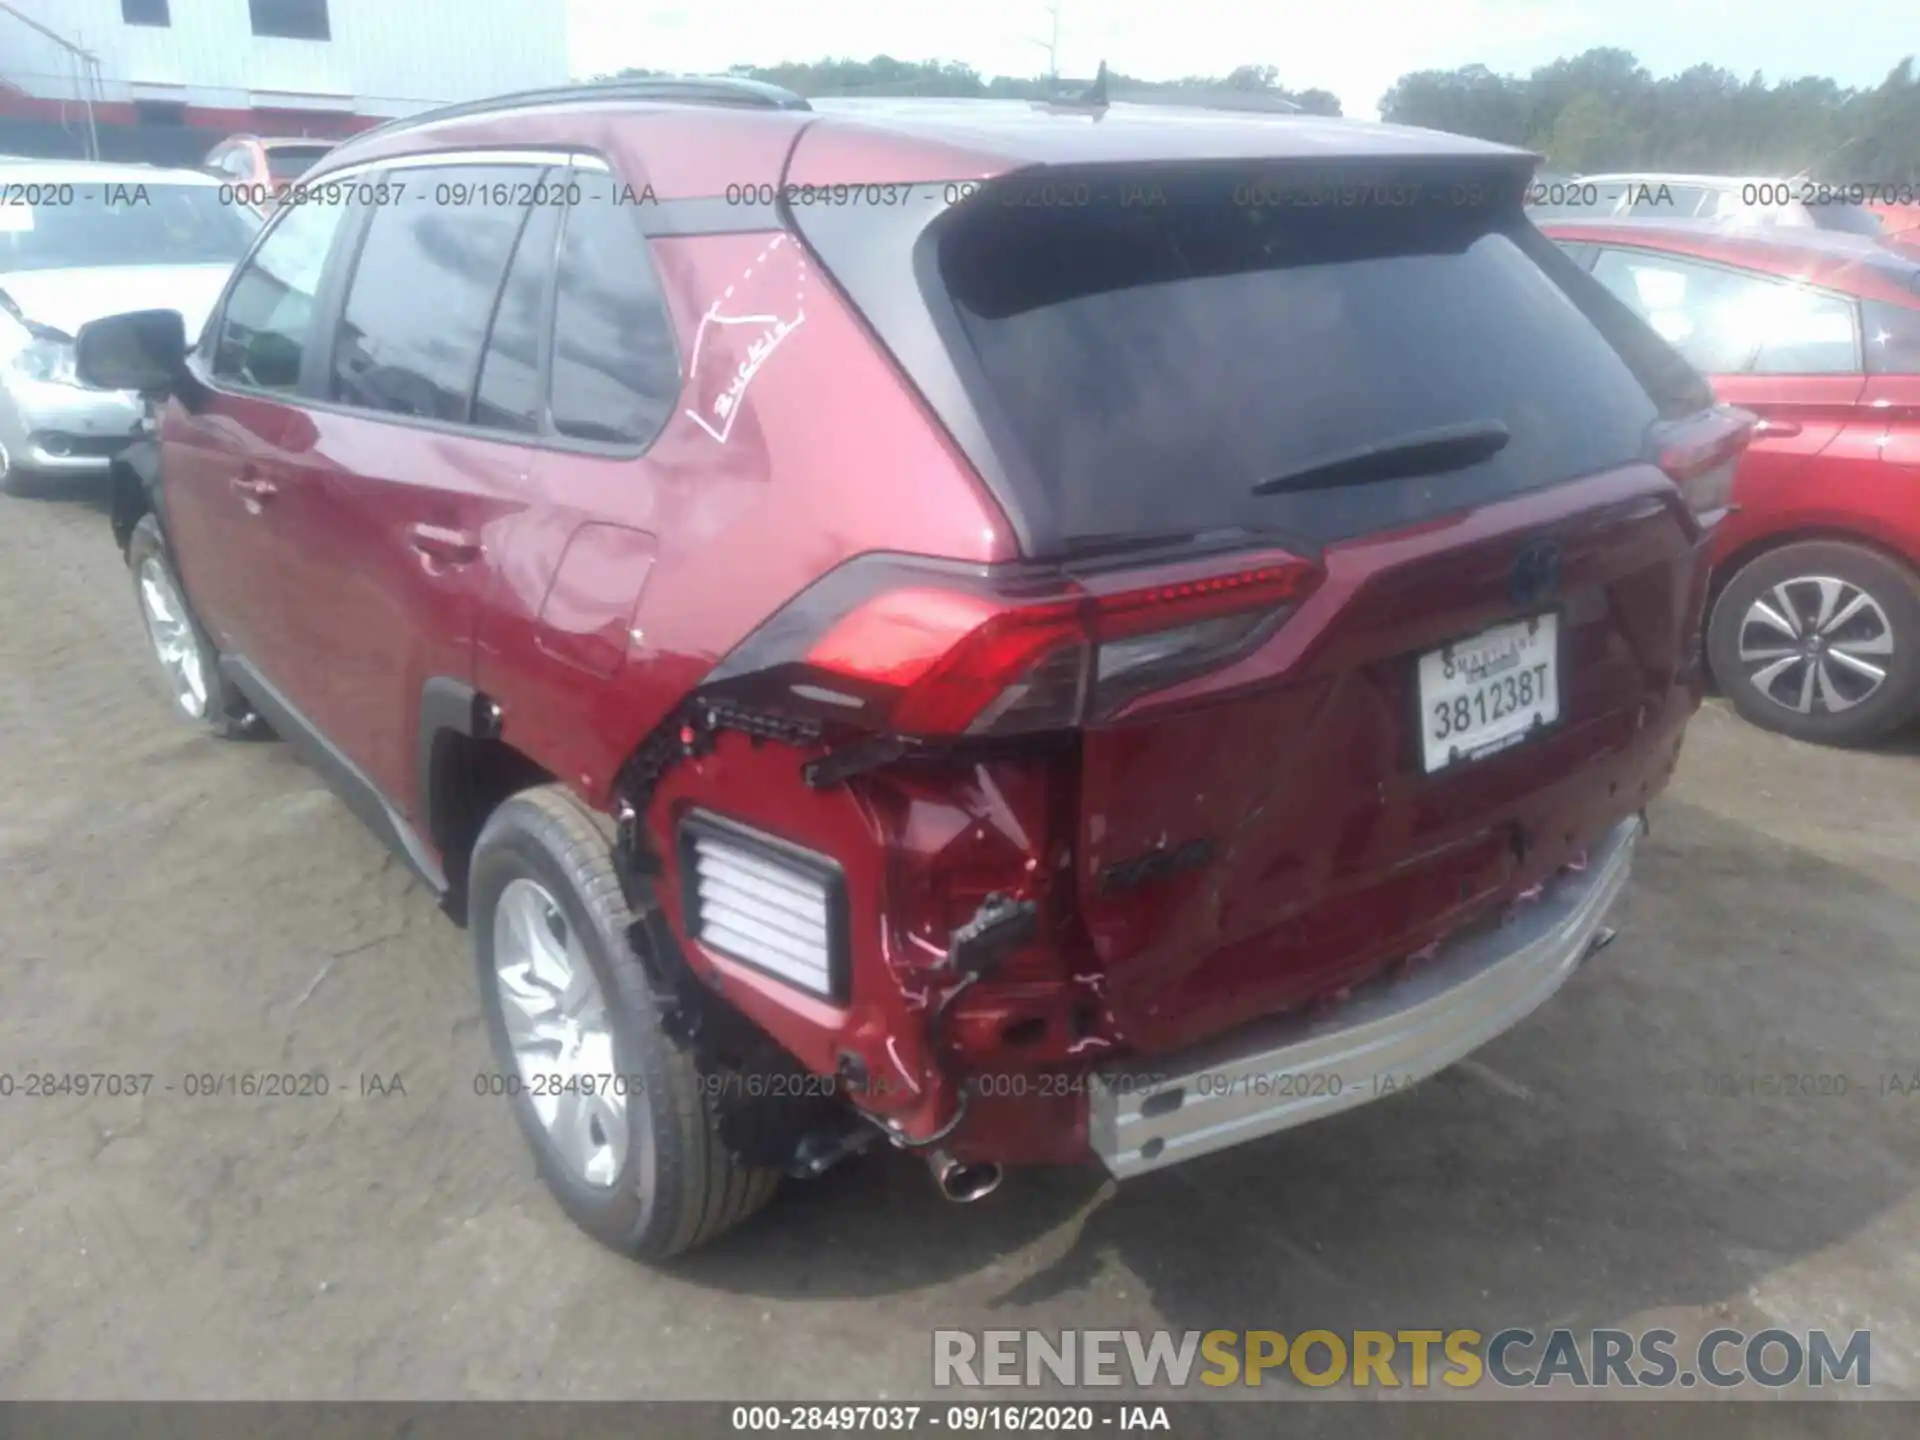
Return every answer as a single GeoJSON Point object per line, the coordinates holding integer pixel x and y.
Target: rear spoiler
{"type": "Point", "coordinates": [1098, 94]}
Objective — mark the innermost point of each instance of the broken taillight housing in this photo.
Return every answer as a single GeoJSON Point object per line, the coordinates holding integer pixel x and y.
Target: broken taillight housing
{"type": "Point", "coordinates": [1700, 455]}
{"type": "Point", "coordinates": [920, 648]}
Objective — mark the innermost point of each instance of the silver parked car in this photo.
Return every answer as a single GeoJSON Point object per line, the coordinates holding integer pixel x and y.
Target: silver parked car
{"type": "Point", "coordinates": [78, 241]}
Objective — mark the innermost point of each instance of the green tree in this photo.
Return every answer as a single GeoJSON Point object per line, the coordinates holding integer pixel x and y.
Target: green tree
{"type": "Point", "coordinates": [1602, 110]}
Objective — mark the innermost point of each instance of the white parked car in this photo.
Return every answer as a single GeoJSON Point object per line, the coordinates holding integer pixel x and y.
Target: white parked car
{"type": "Point", "coordinates": [78, 241]}
{"type": "Point", "coordinates": [1726, 199]}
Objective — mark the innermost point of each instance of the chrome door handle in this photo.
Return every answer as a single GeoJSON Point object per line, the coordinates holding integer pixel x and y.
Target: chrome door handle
{"type": "Point", "coordinates": [252, 486]}
{"type": "Point", "coordinates": [253, 491]}
{"type": "Point", "coordinates": [450, 547]}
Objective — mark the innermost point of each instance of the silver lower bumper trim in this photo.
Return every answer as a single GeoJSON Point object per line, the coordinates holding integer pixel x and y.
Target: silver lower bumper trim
{"type": "Point", "coordinates": [1293, 1069]}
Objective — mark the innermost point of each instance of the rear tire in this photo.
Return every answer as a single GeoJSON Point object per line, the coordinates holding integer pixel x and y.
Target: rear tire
{"type": "Point", "coordinates": [644, 1169]}
{"type": "Point", "coordinates": [187, 658]}
{"type": "Point", "coordinates": [1820, 640]}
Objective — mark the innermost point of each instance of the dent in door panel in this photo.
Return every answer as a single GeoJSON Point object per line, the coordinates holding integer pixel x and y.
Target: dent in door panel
{"type": "Point", "coordinates": [588, 610]}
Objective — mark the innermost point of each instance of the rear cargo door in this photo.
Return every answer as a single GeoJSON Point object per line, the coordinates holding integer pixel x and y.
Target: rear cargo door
{"type": "Point", "coordinates": [1434, 401]}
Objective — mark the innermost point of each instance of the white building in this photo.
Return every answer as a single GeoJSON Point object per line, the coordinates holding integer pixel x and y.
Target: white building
{"type": "Point", "coordinates": [268, 66]}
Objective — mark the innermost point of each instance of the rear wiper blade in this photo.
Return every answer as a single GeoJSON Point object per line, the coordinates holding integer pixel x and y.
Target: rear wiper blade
{"type": "Point", "coordinates": [1424, 452]}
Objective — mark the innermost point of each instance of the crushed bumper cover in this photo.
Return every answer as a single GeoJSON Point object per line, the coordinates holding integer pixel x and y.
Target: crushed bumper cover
{"type": "Point", "coordinates": [1294, 1069]}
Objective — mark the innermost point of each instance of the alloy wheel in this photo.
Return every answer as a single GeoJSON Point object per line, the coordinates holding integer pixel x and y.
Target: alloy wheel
{"type": "Point", "coordinates": [174, 642]}
{"type": "Point", "coordinates": [559, 1030]}
{"type": "Point", "coordinates": [1815, 644]}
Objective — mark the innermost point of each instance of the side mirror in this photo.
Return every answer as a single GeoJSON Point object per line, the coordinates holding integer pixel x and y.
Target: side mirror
{"type": "Point", "coordinates": [143, 350]}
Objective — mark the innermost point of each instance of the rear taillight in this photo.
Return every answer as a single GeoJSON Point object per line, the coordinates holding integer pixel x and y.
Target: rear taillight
{"type": "Point", "coordinates": [922, 650]}
{"type": "Point", "coordinates": [1701, 454]}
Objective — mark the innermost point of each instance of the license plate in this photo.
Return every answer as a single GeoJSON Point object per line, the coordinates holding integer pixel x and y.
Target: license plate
{"type": "Point", "coordinates": [1489, 691]}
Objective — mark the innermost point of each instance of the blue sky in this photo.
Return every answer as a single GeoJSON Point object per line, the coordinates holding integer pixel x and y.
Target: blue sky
{"type": "Point", "coordinates": [1355, 48]}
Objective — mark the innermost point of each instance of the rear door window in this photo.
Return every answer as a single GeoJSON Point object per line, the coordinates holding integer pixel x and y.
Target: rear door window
{"type": "Point", "coordinates": [1153, 365]}
{"type": "Point", "coordinates": [422, 293]}
{"type": "Point", "coordinates": [1734, 322]}
{"type": "Point", "coordinates": [1893, 338]}
{"type": "Point", "coordinates": [509, 395]}
{"type": "Point", "coordinates": [616, 367]}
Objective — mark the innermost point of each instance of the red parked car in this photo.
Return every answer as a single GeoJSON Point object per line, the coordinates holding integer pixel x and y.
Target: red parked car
{"type": "Point", "coordinates": [1010, 630]}
{"type": "Point", "coordinates": [1899, 225]}
{"type": "Point", "coordinates": [261, 172]}
{"type": "Point", "coordinates": [1814, 626]}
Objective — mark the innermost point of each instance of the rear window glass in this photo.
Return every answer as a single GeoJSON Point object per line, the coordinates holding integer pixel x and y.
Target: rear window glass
{"type": "Point", "coordinates": [1153, 365]}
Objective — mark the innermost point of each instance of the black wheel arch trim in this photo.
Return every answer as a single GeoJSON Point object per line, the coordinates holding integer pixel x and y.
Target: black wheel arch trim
{"type": "Point", "coordinates": [447, 706]}
{"type": "Point", "coordinates": [135, 475]}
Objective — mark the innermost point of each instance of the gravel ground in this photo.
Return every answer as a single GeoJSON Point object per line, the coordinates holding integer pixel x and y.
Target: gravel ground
{"type": "Point", "coordinates": [175, 905]}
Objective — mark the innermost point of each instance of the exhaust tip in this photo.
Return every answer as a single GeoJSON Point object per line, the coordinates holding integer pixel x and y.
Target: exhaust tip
{"type": "Point", "coordinates": [963, 1183]}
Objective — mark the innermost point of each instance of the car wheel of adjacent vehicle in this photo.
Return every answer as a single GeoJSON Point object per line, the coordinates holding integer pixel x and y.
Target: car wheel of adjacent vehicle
{"type": "Point", "coordinates": [1820, 640]}
{"type": "Point", "coordinates": [187, 658]}
{"type": "Point", "coordinates": [623, 1128]}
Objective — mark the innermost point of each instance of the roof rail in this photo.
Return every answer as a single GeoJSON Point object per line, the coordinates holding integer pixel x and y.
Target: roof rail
{"type": "Point", "coordinates": [727, 90]}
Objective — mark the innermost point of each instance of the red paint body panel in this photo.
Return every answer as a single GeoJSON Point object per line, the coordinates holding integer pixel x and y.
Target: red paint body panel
{"type": "Point", "coordinates": [380, 615]}
{"type": "Point", "coordinates": [587, 616]}
{"type": "Point", "coordinates": [736, 519]}
{"type": "Point", "coordinates": [1899, 225]}
{"type": "Point", "coordinates": [1301, 761]}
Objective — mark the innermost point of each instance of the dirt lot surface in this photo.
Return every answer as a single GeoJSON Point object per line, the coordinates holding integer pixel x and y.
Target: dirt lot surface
{"type": "Point", "coordinates": [176, 906]}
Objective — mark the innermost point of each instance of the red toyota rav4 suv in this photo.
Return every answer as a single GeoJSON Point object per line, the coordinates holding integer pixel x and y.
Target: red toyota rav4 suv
{"type": "Point", "coordinates": [1032, 633]}
{"type": "Point", "coordinates": [1814, 617]}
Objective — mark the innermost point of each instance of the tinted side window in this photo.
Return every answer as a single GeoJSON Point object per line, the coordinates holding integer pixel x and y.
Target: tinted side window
{"type": "Point", "coordinates": [265, 328]}
{"type": "Point", "coordinates": [423, 289]}
{"type": "Point", "coordinates": [508, 396]}
{"type": "Point", "coordinates": [1893, 338]}
{"type": "Point", "coordinates": [1727, 322]}
{"type": "Point", "coordinates": [616, 370]}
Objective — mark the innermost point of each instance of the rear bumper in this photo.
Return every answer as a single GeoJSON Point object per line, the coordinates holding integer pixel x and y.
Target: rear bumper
{"type": "Point", "coordinates": [1294, 1069]}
